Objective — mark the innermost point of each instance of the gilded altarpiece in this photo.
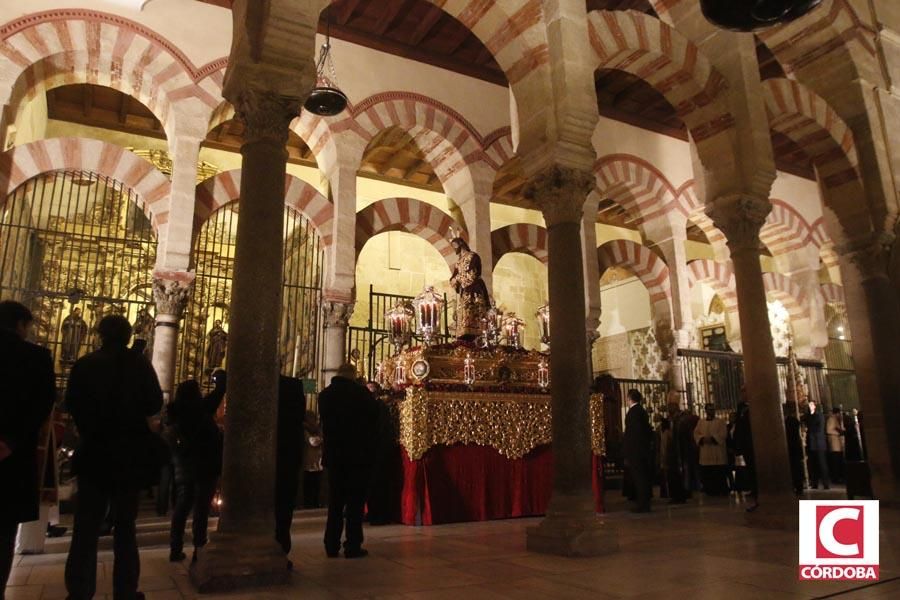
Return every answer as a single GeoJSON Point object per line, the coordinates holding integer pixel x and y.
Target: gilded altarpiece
{"type": "Point", "coordinates": [74, 247]}
{"type": "Point", "coordinates": [205, 328]}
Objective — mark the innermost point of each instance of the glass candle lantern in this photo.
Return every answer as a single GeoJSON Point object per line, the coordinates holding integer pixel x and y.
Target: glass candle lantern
{"type": "Point", "coordinates": [543, 319]}
{"type": "Point", "coordinates": [427, 306]}
{"type": "Point", "coordinates": [399, 321]}
{"type": "Point", "coordinates": [469, 369]}
{"type": "Point", "coordinates": [543, 374]}
{"type": "Point", "coordinates": [399, 372]}
{"type": "Point", "coordinates": [513, 329]}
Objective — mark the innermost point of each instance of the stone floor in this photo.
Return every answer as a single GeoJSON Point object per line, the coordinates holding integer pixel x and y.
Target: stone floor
{"type": "Point", "coordinates": [695, 551]}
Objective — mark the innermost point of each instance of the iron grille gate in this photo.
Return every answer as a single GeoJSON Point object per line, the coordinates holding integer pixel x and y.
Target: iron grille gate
{"type": "Point", "coordinates": [716, 378]}
{"type": "Point", "coordinates": [206, 318]}
{"type": "Point", "coordinates": [74, 247]}
{"type": "Point", "coordinates": [368, 346]}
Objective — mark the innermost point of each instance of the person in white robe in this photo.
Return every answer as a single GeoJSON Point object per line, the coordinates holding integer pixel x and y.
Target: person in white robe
{"type": "Point", "coordinates": [711, 435]}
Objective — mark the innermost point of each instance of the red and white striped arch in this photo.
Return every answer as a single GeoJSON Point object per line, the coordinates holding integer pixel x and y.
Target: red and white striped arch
{"type": "Point", "coordinates": [643, 262]}
{"type": "Point", "coordinates": [521, 237]}
{"type": "Point", "coordinates": [785, 229]}
{"type": "Point", "coordinates": [447, 140]}
{"type": "Point", "coordinates": [21, 163]}
{"type": "Point", "coordinates": [689, 204]}
{"type": "Point", "coordinates": [68, 46]}
{"type": "Point", "coordinates": [636, 185]}
{"type": "Point", "coordinates": [411, 216]}
{"type": "Point", "coordinates": [646, 47]}
{"type": "Point", "coordinates": [788, 292]}
{"type": "Point", "coordinates": [224, 188]}
{"type": "Point", "coordinates": [805, 118]}
{"type": "Point", "coordinates": [719, 276]}
{"type": "Point", "coordinates": [513, 31]}
{"type": "Point", "coordinates": [498, 148]}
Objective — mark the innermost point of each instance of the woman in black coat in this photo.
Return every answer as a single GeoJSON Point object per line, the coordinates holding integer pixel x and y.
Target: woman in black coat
{"type": "Point", "coordinates": [196, 443]}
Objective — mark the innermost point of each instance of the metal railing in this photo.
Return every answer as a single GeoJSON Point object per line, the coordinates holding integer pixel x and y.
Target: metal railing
{"type": "Point", "coordinates": [368, 346]}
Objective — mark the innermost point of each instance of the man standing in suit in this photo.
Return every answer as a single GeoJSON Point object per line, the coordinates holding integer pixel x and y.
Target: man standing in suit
{"type": "Point", "coordinates": [111, 395]}
{"type": "Point", "coordinates": [350, 427]}
{"type": "Point", "coordinates": [289, 457]}
{"type": "Point", "coordinates": [816, 447]}
{"type": "Point", "coordinates": [638, 450]}
{"type": "Point", "coordinates": [27, 392]}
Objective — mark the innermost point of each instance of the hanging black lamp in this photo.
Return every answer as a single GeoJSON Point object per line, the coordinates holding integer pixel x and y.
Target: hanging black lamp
{"type": "Point", "coordinates": [326, 100]}
{"type": "Point", "coordinates": [752, 15]}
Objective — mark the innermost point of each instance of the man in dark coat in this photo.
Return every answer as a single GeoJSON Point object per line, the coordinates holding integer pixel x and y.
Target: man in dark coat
{"type": "Point", "coordinates": [350, 426]}
{"type": "Point", "coordinates": [794, 445]}
{"type": "Point", "coordinates": [27, 392]}
{"type": "Point", "coordinates": [816, 448]}
{"type": "Point", "coordinates": [111, 395]}
{"type": "Point", "coordinates": [638, 444]}
{"type": "Point", "coordinates": [289, 457]}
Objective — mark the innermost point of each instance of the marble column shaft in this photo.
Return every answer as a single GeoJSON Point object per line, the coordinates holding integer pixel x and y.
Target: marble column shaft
{"type": "Point", "coordinates": [170, 293]}
{"type": "Point", "coordinates": [336, 316]}
{"type": "Point", "coordinates": [253, 361]}
{"type": "Point", "coordinates": [571, 526]}
{"type": "Point", "coordinates": [741, 218]}
{"type": "Point", "coordinates": [872, 310]}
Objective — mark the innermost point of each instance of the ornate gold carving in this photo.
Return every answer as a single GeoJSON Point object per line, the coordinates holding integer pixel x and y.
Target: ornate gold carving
{"type": "Point", "coordinates": [513, 424]}
{"type": "Point", "coordinates": [171, 295]}
{"type": "Point", "coordinates": [266, 115]}
{"type": "Point", "coordinates": [560, 193]}
{"type": "Point", "coordinates": [337, 314]}
{"type": "Point", "coordinates": [740, 217]}
{"type": "Point", "coordinates": [163, 161]}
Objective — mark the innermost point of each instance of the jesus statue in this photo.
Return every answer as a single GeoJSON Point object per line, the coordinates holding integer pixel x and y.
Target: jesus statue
{"type": "Point", "coordinates": [472, 299]}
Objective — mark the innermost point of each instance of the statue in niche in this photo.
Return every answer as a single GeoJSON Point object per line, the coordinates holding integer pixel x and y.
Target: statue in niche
{"type": "Point", "coordinates": [216, 343]}
{"type": "Point", "coordinates": [74, 330]}
{"type": "Point", "coordinates": [472, 300]}
{"type": "Point", "coordinates": [144, 326]}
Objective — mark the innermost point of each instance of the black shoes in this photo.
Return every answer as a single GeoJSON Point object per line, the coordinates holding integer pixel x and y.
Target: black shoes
{"type": "Point", "coordinates": [177, 556]}
{"type": "Point", "coordinates": [358, 553]}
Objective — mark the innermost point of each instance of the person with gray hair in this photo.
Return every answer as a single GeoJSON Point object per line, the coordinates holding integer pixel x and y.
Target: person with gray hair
{"type": "Point", "coordinates": [349, 414]}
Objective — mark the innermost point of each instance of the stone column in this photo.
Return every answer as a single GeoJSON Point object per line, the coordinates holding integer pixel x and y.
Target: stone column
{"type": "Point", "coordinates": [591, 267]}
{"type": "Point", "coordinates": [476, 211]}
{"type": "Point", "coordinates": [740, 218]}
{"type": "Point", "coordinates": [571, 527]}
{"type": "Point", "coordinates": [336, 318]}
{"type": "Point", "coordinates": [170, 293]}
{"type": "Point", "coordinates": [244, 552]}
{"type": "Point", "coordinates": [872, 309]}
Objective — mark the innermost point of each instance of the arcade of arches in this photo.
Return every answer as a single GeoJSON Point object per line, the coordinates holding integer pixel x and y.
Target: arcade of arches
{"type": "Point", "coordinates": [691, 191]}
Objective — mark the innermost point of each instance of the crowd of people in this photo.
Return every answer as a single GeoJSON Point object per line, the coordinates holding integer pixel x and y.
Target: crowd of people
{"type": "Point", "coordinates": [128, 441]}
{"type": "Point", "coordinates": [687, 453]}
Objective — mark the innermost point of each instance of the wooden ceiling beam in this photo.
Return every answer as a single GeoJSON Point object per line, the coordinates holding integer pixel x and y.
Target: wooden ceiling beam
{"type": "Point", "coordinates": [461, 34]}
{"type": "Point", "coordinates": [87, 100]}
{"type": "Point", "coordinates": [344, 11]}
{"type": "Point", "coordinates": [123, 108]}
{"type": "Point", "coordinates": [425, 26]}
{"type": "Point", "coordinates": [393, 12]}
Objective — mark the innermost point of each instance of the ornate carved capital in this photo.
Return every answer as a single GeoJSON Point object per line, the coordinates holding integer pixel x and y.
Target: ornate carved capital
{"type": "Point", "coordinates": [560, 193]}
{"type": "Point", "coordinates": [337, 314]}
{"type": "Point", "coordinates": [171, 292]}
{"type": "Point", "coordinates": [266, 115]}
{"type": "Point", "coordinates": [740, 217]}
{"type": "Point", "coordinates": [592, 336]}
{"type": "Point", "coordinates": [869, 257]}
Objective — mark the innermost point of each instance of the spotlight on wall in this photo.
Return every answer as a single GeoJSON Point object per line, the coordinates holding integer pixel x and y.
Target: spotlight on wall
{"type": "Point", "coordinates": [752, 15]}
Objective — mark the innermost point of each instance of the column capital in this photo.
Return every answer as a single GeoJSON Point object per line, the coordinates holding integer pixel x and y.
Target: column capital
{"type": "Point", "coordinates": [869, 256]}
{"type": "Point", "coordinates": [560, 193]}
{"type": "Point", "coordinates": [337, 313]}
{"type": "Point", "coordinates": [171, 290]}
{"type": "Point", "coordinates": [266, 115]}
{"type": "Point", "coordinates": [740, 217]}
